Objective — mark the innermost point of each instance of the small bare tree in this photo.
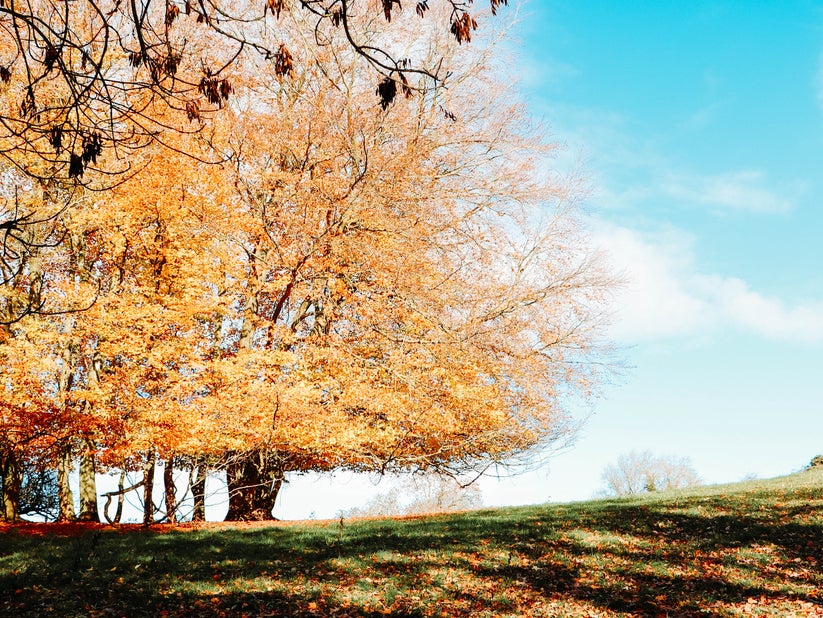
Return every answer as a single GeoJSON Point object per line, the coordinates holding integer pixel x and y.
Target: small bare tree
{"type": "Point", "coordinates": [635, 473]}
{"type": "Point", "coordinates": [421, 494]}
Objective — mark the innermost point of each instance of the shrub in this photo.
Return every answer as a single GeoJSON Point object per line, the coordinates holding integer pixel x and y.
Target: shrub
{"type": "Point", "coordinates": [816, 462]}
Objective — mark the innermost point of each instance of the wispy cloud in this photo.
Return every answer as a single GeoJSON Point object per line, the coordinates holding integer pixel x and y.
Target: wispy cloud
{"type": "Point", "coordinates": [771, 318]}
{"type": "Point", "coordinates": [666, 297]}
{"type": "Point", "coordinates": [743, 190]}
{"type": "Point", "coordinates": [629, 171]}
{"type": "Point", "coordinates": [654, 301]}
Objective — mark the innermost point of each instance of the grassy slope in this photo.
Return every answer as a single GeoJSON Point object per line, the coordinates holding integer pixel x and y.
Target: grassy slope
{"type": "Point", "coordinates": [745, 549]}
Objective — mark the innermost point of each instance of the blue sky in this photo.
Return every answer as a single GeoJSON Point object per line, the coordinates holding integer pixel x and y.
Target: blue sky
{"type": "Point", "coordinates": [700, 129]}
{"type": "Point", "coordinates": [699, 126]}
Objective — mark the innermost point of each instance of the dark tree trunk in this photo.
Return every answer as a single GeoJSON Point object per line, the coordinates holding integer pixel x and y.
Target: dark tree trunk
{"type": "Point", "coordinates": [65, 497]}
{"type": "Point", "coordinates": [168, 486]}
{"type": "Point", "coordinates": [198, 489]}
{"type": "Point", "coordinates": [148, 490]}
{"type": "Point", "coordinates": [12, 476]}
{"type": "Point", "coordinates": [121, 484]}
{"type": "Point", "coordinates": [88, 480]}
{"type": "Point", "coordinates": [88, 484]}
{"type": "Point", "coordinates": [253, 479]}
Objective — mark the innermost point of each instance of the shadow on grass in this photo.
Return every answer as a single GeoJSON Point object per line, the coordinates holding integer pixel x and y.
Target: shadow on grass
{"type": "Point", "coordinates": [639, 558]}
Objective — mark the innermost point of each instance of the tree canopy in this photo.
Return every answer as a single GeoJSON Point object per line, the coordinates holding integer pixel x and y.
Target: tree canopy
{"type": "Point", "coordinates": [636, 473]}
{"type": "Point", "coordinates": [84, 77]}
{"type": "Point", "coordinates": [316, 282]}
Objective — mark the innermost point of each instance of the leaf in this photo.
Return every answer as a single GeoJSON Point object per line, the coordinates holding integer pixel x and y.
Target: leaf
{"type": "Point", "coordinates": [283, 61]}
{"type": "Point", "coordinates": [387, 8]}
{"type": "Point", "coordinates": [462, 27]}
{"type": "Point", "coordinates": [387, 91]}
{"type": "Point", "coordinates": [172, 12]}
{"type": "Point", "coordinates": [275, 6]}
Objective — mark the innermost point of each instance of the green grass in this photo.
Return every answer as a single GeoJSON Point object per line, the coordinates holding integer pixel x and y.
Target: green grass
{"type": "Point", "coordinates": [751, 549]}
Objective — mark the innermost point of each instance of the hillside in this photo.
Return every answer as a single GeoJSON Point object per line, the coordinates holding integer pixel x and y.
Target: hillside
{"type": "Point", "coordinates": [750, 549]}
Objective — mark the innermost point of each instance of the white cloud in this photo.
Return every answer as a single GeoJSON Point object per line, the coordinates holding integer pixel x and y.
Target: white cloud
{"type": "Point", "coordinates": [771, 318]}
{"type": "Point", "coordinates": [666, 297]}
{"type": "Point", "coordinates": [628, 170]}
{"type": "Point", "coordinates": [743, 190]}
{"type": "Point", "coordinates": [653, 301]}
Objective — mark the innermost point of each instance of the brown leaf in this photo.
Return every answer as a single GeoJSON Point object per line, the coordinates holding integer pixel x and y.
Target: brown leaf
{"type": "Point", "coordinates": [387, 91]}
{"type": "Point", "coordinates": [387, 8]}
{"type": "Point", "coordinates": [495, 4]}
{"type": "Point", "coordinates": [462, 28]}
{"type": "Point", "coordinates": [275, 6]}
{"type": "Point", "coordinates": [56, 138]}
{"type": "Point", "coordinates": [192, 110]}
{"type": "Point", "coordinates": [283, 64]}
{"type": "Point", "coordinates": [75, 166]}
{"type": "Point", "coordinates": [172, 12]}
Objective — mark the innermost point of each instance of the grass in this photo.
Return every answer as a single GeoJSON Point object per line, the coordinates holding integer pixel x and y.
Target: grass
{"type": "Point", "coordinates": [750, 549]}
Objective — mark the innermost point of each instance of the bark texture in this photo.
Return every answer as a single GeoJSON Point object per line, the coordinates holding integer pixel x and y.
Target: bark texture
{"type": "Point", "coordinates": [254, 480]}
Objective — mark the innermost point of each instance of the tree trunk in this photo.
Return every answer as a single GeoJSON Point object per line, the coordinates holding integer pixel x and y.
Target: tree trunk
{"type": "Point", "coordinates": [65, 497]}
{"type": "Point", "coordinates": [171, 498]}
{"type": "Point", "coordinates": [253, 479]}
{"type": "Point", "coordinates": [88, 481]}
{"type": "Point", "coordinates": [148, 489]}
{"type": "Point", "coordinates": [88, 484]}
{"type": "Point", "coordinates": [12, 474]}
{"type": "Point", "coordinates": [2, 481]}
{"type": "Point", "coordinates": [198, 489]}
{"type": "Point", "coordinates": [121, 485]}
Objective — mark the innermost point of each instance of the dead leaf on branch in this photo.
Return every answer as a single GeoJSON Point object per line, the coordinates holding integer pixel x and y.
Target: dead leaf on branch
{"type": "Point", "coordinates": [387, 8]}
{"type": "Point", "coordinates": [283, 61]}
{"type": "Point", "coordinates": [215, 90]}
{"type": "Point", "coordinates": [462, 28]}
{"type": "Point", "coordinates": [275, 6]}
{"type": "Point", "coordinates": [387, 91]}
{"type": "Point", "coordinates": [172, 12]}
{"type": "Point", "coordinates": [495, 4]}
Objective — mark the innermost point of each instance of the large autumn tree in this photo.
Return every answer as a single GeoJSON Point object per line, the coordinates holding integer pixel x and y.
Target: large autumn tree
{"type": "Point", "coordinates": [351, 285]}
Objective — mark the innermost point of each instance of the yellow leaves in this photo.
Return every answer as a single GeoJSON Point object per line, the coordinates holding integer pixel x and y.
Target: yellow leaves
{"type": "Point", "coordinates": [350, 288]}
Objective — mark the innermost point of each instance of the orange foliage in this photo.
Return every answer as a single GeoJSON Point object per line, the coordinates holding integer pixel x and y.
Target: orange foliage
{"type": "Point", "coordinates": [350, 287]}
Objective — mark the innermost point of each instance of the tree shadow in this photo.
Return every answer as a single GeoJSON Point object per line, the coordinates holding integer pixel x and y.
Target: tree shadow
{"type": "Point", "coordinates": [644, 559]}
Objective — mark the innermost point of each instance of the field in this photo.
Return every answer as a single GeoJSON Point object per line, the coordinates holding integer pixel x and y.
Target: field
{"type": "Point", "coordinates": [750, 549]}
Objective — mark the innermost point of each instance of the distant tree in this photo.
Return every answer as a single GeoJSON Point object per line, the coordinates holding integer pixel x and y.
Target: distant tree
{"type": "Point", "coordinates": [38, 493]}
{"type": "Point", "coordinates": [27, 489]}
{"type": "Point", "coordinates": [421, 494]}
{"type": "Point", "coordinates": [635, 473]}
{"type": "Point", "coordinates": [816, 462]}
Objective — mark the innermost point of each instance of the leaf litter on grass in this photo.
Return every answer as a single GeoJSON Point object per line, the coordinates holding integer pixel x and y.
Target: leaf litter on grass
{"type": "Point", "coordinates": [744, 550]}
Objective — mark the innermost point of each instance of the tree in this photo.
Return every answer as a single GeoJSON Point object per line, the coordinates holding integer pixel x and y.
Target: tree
{"type": "Point", "coordinates": [38, 493]}
{"type": "Point", "coordinates": [635, 473]}
{"type": "Point", "coordinates": [402, 289]}
{"type": "Point", "coordinates": [418, 495]}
